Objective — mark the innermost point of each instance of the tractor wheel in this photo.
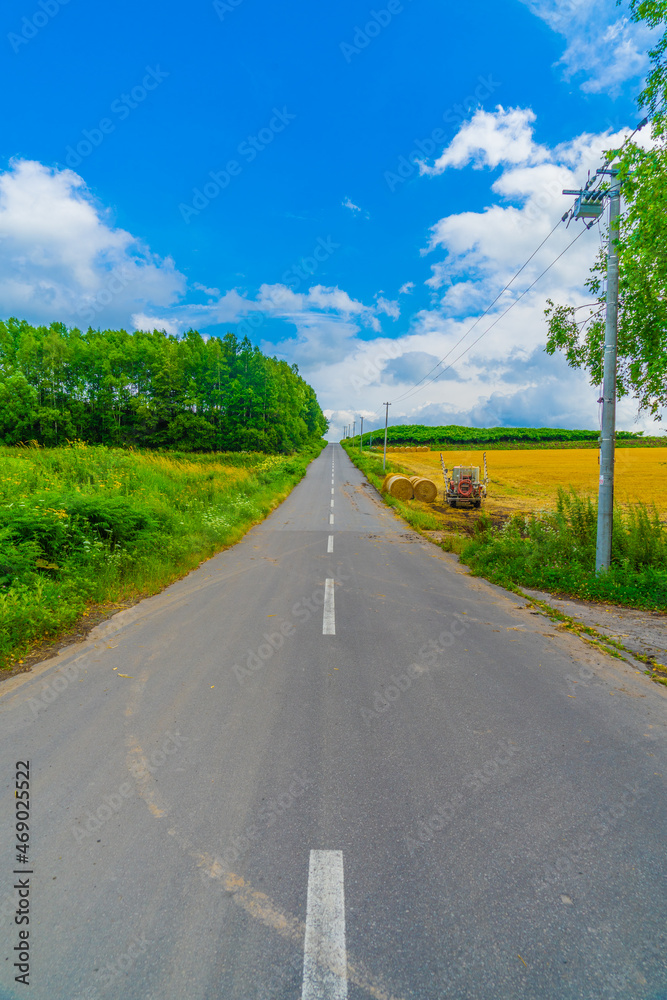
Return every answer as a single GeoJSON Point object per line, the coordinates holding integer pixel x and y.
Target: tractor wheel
{"type": "Point", "coordinates": [478, 503]}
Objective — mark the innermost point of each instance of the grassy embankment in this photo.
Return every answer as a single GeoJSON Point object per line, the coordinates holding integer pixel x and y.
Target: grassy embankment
{"type": "Point", "coordinates": [83, 526]}
{"type": "Point", "coordinates": [544, 532]}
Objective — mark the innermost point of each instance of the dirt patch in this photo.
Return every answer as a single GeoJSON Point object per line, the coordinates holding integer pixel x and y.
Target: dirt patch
{"type": "Point", "coordinates": [463, 519]}
{"type": "Point", "coordinates": [644, 633]}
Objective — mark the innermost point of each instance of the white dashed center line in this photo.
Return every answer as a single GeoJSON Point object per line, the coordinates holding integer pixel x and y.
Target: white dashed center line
{"type": "Point", "coordinates": [330, 544]}
{"type": "Point", "coordinates": [325, 957]}
{"type": "Point", "coordinates": [332, 501]}
{"type": "Point", "coordinates": [329, 617]}
{"type": "Point", "coordinates": [331, 520]}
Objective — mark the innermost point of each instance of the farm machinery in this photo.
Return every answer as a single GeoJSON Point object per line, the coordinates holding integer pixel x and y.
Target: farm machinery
{"type": "Point", "coordinates": [464, 487]}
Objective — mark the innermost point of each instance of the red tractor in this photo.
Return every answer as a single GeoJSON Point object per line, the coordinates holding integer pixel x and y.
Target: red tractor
{"type": "Point", "coordinates": [464, 488]}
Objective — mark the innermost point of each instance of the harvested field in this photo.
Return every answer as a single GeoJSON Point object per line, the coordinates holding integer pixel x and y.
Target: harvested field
{"type": "Point", "coordinates": [528, 480]}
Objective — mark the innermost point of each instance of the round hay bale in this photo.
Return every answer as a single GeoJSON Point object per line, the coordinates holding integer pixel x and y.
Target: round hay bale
{"type": "Point", "coordinates": [399, 487]}
{"type": "Point", "coordinates": [425, 490]}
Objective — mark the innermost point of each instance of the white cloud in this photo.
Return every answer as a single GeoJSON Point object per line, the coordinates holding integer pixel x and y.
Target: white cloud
{"type": "Point", "coordinates": [407, 288]}
{"type": "Point", "coordinates": [346, 203]}
{"type": "Point", "coordinates": [214, 292]}
{"type": "Point", "coordinates": [483, 249]}
{"type": "Point", "coordinates": [603, 47]}
{"type": "Point", "coordinates": [61, 257]}
{"type": "Point", "coordinates": [505, 378]}
{"type": "Point", "coordinates": [140, 321]}
{"type": "Point", "coordinates": [491, 138]}
{"type": "Point", "coordinates": [388, 307]}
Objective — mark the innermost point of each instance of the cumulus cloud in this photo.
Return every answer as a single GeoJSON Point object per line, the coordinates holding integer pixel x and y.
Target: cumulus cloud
{"type": "Point", "coordinates": [484, 248]}
{"type": "Point", "coordinates": [494, 369]}
{"type": "Point", "coordinates": [62, 258]}
{"type": "Point", "coordinates": [602, 46]}
{"type": "Point", "coordinates": [140, 321]}
{"type": "Point", "coordinates": [491, 138]}
{"type": "Point", "coordinates": [388, 307]}
{"type": "Point", "coordinates": [412, 366]}
{"type": "Point", "coordinates": [347, 203]}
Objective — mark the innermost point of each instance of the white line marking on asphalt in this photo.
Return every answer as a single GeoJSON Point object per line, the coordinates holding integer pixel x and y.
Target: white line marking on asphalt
{"type": "Point", "coordinates": [330, 544]}
{"type": "Point", "coordinates": [331, 520]}
{"type": "Point", "coordinates": [325, 957]}
{"type": "Point", "coordinates": [332, 489]}
{"type": "Point", "coordinates": [332, 501]}
{"type": "Point", "coordinates": [329, 617]}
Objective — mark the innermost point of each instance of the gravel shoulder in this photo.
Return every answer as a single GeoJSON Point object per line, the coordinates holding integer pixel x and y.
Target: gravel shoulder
{"type": "Point", "coordinates": [643, 633]}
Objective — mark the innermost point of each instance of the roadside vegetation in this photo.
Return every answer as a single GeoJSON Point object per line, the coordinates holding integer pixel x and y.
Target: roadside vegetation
{"type": "Point", "coordinates": [86, 525]}
{"type": "Point", "coordinates": [555, 551]}
{"type": "Point", "coordinates": [551, 550]}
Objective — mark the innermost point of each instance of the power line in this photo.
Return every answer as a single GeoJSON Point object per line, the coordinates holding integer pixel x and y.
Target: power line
{"type": "Point", "coordinates": [498, 318]}
{"type": "Point", "coordinates": [486, 311]}
{"type": "Point", "coordinates": [589, 190]}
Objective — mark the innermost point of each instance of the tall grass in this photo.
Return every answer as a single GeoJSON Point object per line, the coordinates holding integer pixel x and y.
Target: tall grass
{"type": "Point", "coordinates": [555, 551]}
{"type": "Point", "coordinates": [84, 525]}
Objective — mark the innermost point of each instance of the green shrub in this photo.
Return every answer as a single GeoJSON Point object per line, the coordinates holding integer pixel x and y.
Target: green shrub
{"type": "Point", "coordinates": [555, 551]}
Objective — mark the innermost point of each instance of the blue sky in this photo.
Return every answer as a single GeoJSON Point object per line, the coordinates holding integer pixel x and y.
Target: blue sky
{"type": "Point", "coordinates": [350, 185]}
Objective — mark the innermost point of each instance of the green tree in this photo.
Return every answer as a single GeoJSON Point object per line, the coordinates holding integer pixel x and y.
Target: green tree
{"type": "Point", "coordinates": [18, 408]}
{"type": "Point", "coordinates": [150, 389]}
{"type": "Point", "coordinates": [642, 251]}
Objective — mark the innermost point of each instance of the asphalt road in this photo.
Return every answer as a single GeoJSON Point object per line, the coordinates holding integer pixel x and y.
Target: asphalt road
{"type": "Point", "coordinates": [399, 783]}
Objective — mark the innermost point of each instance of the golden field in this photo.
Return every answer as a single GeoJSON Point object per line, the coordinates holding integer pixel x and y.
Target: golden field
{"type": "Point", "coordinates": [528, 480]}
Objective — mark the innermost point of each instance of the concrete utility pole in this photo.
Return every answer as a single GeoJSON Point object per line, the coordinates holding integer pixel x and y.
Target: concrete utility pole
{"type": "Point", "coordinates": [361, 443]}
{"type": "Point", "coordinates": [607, 437]}
{"type": "Point", "coordinates": [386, 421]}
{"type": "Point", "coordinates": [354, 428]}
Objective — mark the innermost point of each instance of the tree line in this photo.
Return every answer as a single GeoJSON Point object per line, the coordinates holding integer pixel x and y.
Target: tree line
{"type": "Point", "coordinates": [150, 390]}
{"type": "Point", "coordinates": [453, 434]}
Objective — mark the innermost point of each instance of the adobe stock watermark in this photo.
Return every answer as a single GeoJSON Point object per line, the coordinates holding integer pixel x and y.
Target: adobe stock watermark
{"type": "Point", "coordinates": [113, 803]}
{"type": "Point", "coordinates": [249, 149]}
{"type": "Point", "coordinates": [267, 816]}
{"type": "Point", "coordinates": [474, 782]}
{"type": "Point", "coordinates": [52, 690]}
{"type": "Point", "coordinates": [603, 822]}
{"type": "Point", "coordinates": [121, 108]}
{"type": "Point", "coordinates": [31, 26]}
{"type": "Point", "coordinates": [116, 282]}
{"type": "Point", "coordinates": [7, 908]}
{"type": "Point", "coordinates": [223, 7]}
{"type": "Point", "coordinates": [402, 682]}
{"type": "Point", "coordinates": [408, 164]}
{"type": "Point", "coordinates": [374, 366]}
{"type": "Point", "coordinates": [302, 611]}
{"type": "Point", "coordinates": [535, 210]}
{"type": "Point", "coordinates": [293, 278]}
{"type": "Point", "coordinates": [564, 10]}
{"type": "Point", "coordinates": [123, 963]}
{"type": "Point", "coordinates": [364, 35]}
